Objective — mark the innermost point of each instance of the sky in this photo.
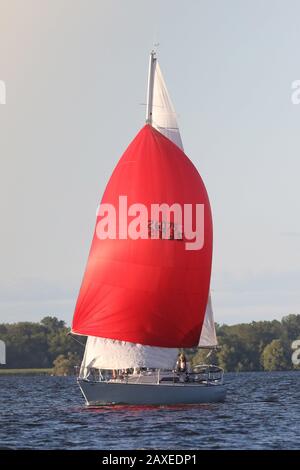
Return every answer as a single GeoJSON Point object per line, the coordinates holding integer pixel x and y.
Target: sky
{"type": "Point", "coordinates": [75, 74]}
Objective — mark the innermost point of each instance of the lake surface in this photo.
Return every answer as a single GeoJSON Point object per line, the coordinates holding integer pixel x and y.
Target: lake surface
{"type": "Point", "coordinates": [262, 411]}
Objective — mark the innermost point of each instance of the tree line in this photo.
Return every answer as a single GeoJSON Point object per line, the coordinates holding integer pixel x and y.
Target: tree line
{"type": "Point", "coordinates": [256, 346]}
{"type": "Point", "coordinates": [263, 345]}
{"type": "Point", "coordinates": [47, 344]}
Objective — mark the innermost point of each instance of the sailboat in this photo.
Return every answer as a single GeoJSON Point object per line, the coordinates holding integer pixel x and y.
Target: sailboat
{"type": "Point", "coordinates": [145, 291]}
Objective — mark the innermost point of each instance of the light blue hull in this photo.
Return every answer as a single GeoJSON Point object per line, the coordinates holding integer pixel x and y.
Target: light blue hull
{"type": "Point", "coordinates": [108, 393]}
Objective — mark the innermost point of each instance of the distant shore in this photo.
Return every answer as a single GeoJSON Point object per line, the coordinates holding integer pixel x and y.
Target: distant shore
{"type": "Point", "coordinates": [26, 371]}
{"type": "Point", "coordinates": [47, 348]}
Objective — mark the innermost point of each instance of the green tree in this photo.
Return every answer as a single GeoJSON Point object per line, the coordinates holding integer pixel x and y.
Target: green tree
{"type": "Point", "coordinates": [275, 356]}
{"type": "Point", "coordinates": [291, 327]}
{"type": "Point", "coordinates": [53, 324]}
{"type": "Point", "coordinates": [65, 365]}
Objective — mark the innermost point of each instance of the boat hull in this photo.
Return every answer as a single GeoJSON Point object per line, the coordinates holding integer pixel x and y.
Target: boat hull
{"type": "Point", "coordinates": [110, 393]}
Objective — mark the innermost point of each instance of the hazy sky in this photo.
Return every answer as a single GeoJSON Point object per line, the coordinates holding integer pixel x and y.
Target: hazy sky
{"type": "Point", "coordinates": [75, 74]}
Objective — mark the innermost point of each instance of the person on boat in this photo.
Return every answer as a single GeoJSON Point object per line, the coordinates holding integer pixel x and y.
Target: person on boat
{"type": "Point", "coordinates": [181, 363]}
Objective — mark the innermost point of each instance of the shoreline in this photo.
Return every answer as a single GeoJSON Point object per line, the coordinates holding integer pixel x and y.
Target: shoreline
{"type": "Point", "coordinates": [26, 371]}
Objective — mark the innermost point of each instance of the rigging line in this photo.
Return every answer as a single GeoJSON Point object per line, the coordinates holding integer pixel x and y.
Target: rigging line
{"type": "Point", "coordinates": [75, 339]}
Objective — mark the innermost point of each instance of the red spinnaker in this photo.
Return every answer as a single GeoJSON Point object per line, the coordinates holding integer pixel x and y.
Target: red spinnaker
{"type": "Point", "coordinates": [148, 291]}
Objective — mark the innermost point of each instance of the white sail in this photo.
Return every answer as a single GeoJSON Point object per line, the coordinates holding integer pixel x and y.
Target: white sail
{"type": "Point", "coordinates": [163, 112]}
{"type": "Point", "coordinates": [102, 353]}
{"type": "Point", "coordinates": [162, 116]}
{"type": "Point", "coordinates": [208, 337]}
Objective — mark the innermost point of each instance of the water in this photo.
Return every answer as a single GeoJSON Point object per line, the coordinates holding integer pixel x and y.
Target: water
{"type": "Point", "coordinates": [262, 411]}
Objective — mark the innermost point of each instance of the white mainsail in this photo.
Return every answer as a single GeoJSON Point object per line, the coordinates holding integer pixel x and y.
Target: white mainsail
{"type": "Point", "coordinates": [103, 353]}
{"type": "Point", "coordinates": [163, 115]}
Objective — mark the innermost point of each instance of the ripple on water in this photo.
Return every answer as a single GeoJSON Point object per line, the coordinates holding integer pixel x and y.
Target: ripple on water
{"type": "Point", "coordinates": [261, 412]}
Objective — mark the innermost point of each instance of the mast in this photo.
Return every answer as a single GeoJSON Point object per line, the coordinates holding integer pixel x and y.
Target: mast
{"type": "Point", "coordinates": [152, 65]}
